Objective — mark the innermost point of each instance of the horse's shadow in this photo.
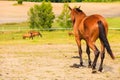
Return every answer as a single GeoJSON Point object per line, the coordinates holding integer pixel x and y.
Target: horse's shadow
{"type": "Point", "coordinates": [76, 65]}
{"type": "Point", "coordinates": [76, 57]}
{"type": "Point", "coordinates": [106, 68]}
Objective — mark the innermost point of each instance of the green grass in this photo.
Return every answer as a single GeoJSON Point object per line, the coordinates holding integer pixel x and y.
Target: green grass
{"type": "Point", "coordinates": [14, 26]}
{"type": "Point", "coordinates": [113, 22]}
{"type": "Point", "coordinates": [49, 37]}
{"type": "Point", "coordinates": [11, 33]}
{"type": "Point", "coordinates": [114, 36]}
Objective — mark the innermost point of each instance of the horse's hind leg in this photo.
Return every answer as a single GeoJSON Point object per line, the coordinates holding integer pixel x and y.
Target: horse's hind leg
{"type": "Point", "coordinates": [96, 52]}
{"type": "Point", "coordinates": [102, 57]}
{"type": "Point", "coordinates": [80, 51]}
{"type": "Point", "coordinates": [88, 53]}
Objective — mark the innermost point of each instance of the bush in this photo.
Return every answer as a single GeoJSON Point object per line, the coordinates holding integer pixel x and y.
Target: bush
{"type": "Point", "coordinates": [41, 16]}
{"type": "Point", "coordinates": [20, 1]}
{"type": "Point", "coordinates": [64, 18]}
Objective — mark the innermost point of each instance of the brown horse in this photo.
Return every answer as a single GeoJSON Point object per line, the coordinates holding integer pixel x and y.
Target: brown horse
{"type": "Point", "coordinates": [90, 28]}
{"type": "Point", "coordinates": [70, 33]}
{"type": "Point", "coordinates": [35, 33]}
{"type": "Point", "coordinates": [27, 35]}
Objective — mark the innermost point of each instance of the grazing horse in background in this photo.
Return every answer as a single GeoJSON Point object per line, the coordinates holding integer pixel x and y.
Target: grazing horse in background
{"type": "Point", "coordinates": [70, 33]}
{"type": "Point", "coordinates": [90, 28]}
{"type": "Point", "coordinates": [32, 34]}
{"type": "Point", "coordinates": [35, 33]}
{"type": "Point", "coordinates": [27, 35]}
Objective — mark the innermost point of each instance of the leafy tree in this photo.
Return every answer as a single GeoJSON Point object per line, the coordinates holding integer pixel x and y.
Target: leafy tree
{"type": "Point", "coordinates": [64, 18]}
{"type": "Point", "coordinates": [41, 16]}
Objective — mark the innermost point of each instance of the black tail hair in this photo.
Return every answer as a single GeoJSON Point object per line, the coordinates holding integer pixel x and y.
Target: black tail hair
{"type": "Point", "coordinates": [104, 39]}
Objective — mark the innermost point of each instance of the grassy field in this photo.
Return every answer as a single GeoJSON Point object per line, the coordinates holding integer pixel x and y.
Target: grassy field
{"type": "Point", "coordinates": [114, 22]}
{"type": "Point", "coordinates": [12, 33]}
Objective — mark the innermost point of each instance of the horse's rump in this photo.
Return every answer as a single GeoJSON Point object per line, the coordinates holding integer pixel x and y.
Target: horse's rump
{"type": "Point", "coordinates": [89, 26]}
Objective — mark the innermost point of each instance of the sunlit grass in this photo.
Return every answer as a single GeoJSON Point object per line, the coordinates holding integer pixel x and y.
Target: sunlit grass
{"type": "Point", "coordinates": [49, 37]}
{"type": "Point", "coordinates": [113, 22]}
{"type": "Point", "coordinates": [14, 26]}
{"type": "Point", "coordinates": [11, 33]}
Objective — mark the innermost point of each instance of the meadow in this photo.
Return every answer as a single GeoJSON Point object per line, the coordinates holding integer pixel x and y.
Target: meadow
{"type": "Point", "coordinates": [13, 32]}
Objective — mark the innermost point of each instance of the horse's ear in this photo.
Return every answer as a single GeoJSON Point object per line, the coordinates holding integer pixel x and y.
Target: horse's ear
{"type": "Point", "coordinates": [69, 7]}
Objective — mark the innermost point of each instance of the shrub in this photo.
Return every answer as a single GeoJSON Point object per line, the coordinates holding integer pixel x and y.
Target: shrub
{"type": "Point", "coordinates": [41, 16]}
{"type": "Point", "coordinates": [64, 18]}
{"type": "Point", "coordinates": [20, 1]}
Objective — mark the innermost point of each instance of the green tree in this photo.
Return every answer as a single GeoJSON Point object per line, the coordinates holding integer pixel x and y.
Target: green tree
{"type": "Point", "coordinates": [41, 16]}
{"type": "Point", "coordinates": [64, 18]}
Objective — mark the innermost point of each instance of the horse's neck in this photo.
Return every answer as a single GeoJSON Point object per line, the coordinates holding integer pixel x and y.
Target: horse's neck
{"type": "Point", "coordinates": [78, 19]}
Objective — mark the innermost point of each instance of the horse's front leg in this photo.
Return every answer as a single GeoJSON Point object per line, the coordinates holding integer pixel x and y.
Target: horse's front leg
{"type": "Point", "coordinates": [88, 53]}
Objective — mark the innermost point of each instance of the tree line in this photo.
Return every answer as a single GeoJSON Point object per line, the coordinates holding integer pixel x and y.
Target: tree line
{"type": "Point", "coordinates": [54, 0]}
{"type": "Point", "coordinates": [63, 1]}
{"type": "Point", "coordinates": [72, 0]}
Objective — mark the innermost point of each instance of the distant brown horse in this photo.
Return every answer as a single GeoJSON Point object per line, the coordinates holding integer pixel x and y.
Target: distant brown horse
{"type": "Point", "coordinates": [27, 35]}
{"type": "Point", "coordinates": [90, 28]}
{"type": "Point", "coordinates": [70, 33]}
{"type": "Point", "coordinates": [35, 33]}
{"type": "Point", "coordinates": [31, 34]}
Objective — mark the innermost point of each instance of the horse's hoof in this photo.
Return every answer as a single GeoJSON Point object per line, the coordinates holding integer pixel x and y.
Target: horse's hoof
{"type": "Point", "coordinates": [94, 71]}
{"type": "Point", "coordinates": [100, 69]}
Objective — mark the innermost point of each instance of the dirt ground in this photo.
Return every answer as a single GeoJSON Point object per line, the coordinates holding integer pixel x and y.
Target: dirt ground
{"type": "Point", "coordinates": [51, 62]}
{"type": "Point", "coordinates": [18, 13]}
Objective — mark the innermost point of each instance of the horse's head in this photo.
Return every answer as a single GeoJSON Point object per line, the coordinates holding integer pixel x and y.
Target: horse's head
{"type": "Point", "coordinates": [75, 12]}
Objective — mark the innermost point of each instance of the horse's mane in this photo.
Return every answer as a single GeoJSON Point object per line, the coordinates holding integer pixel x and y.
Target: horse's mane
{"type": "Point", "coordinates": [78, 9]}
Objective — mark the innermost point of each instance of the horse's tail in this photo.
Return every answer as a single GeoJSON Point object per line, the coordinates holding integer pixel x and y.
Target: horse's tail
{"type": "Point", "coordinates": [103, 38]}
